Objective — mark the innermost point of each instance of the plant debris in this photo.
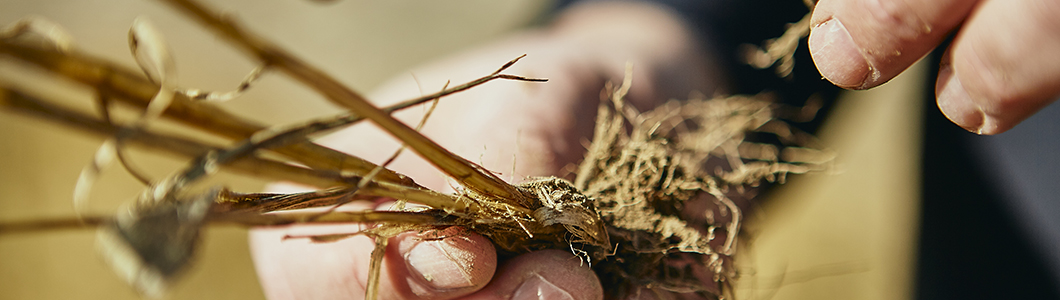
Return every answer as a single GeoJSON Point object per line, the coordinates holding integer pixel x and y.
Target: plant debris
{"type": "Point", "coordinates": [653, 207]}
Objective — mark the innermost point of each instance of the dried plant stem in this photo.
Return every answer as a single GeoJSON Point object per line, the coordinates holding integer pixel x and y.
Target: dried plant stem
{"type": "Point", "coordinates": [375, 267]}
{"type": "Point", "coordinates": [285, 135]}
{"type": "Point", "coordinates": [335, 217]}
{"type": "Point", "coordinates": [265, 202]}
{"type": "Point", "coordinates": [245, 219]}
{"type": "Point", "coordinates": [37, 225]}
{"type": "Point", "coordinates": [132, 88]}
{"type": "Point", "coordinates": [473, 177]}
{"type": "Point", "coordinates": [21, 103]}
{"type": "Point", "coordinates": [109, 79]}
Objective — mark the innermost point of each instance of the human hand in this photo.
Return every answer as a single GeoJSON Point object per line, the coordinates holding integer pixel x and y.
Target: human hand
{"type": "Point", "coordinates": [517, 128]}
{"type": "Point", "coordinates": [1000, 69]}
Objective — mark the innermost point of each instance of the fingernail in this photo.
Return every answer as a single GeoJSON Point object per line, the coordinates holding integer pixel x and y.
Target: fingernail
{"type": "Point", "coordinates": [957, 106]}
{"type": "Point", "coordinates": [537, 288]}
{"type": "Point", "coordinates": [836, 56]}
{"type": "Point", "coordinates": [441, 267]}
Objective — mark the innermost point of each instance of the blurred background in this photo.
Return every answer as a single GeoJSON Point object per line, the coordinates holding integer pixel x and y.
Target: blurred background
{"type": "Point", "coordinates": [849, 234]}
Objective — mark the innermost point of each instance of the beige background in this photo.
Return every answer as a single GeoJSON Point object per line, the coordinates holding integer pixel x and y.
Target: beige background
{"type": "Point", "coordinates": [851, 234]}
{"type": "Point", "coordinates": [846, 235]}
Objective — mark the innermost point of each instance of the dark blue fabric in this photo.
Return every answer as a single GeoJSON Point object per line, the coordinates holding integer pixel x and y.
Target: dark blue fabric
{"type": "Point", "coordinates": [979, 238]}
{"type": "Point", "coordinates": [1025, 161]}
{"type": "Point", "coordinates": [989, 211]}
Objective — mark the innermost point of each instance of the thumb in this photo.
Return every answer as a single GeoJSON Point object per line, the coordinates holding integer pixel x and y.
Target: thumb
{"type": "Point", "coordinates": [860, 44]}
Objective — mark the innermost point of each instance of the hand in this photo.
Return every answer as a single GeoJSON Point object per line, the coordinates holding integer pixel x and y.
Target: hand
{"type": "Point", "coordinates": [516, 128]}
{"type": "Point", "coordinates": [1001, 68]}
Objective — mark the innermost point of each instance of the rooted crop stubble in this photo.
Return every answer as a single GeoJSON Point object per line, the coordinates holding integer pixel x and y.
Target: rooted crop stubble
{"type": "Point", "coordinates": [653, 207]}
